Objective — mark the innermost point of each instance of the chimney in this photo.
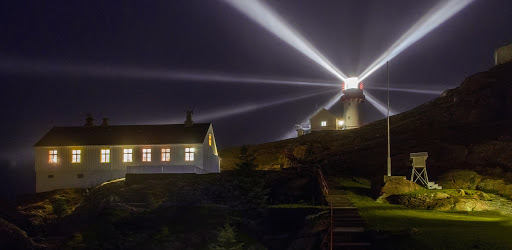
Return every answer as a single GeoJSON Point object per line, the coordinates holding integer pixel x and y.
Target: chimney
{"type": "Point", "coordinates": [89, 120]}
{"type": "Point", "coordinates": [105, 122]}
{"type": "Point", "coordinates": [189, 122]}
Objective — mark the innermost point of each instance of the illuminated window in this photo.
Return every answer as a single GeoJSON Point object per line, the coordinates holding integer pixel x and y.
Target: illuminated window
{"type": "Point", "coordinates": [189, 154]}
{"type": "Point", "coordinates": [105, 155]}
{"type": "Point", "coordinates": [324, 123]}
{"type": "Point", "coordinates": [127, 155]}
{"type": "Point", "coordinates": [77, 156]}
{"type": "Point", "coordinates": [146, 154]}
{"type": "Point", "coordinates": [53, 156]}
{"type": "Point", "coordinates": [166, 154]}
{"type": "Point", "coordinates": [210, 139]}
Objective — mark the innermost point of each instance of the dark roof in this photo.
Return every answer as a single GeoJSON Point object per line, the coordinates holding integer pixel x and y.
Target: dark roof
{"type": "Point", "coordinates": [125, 135]}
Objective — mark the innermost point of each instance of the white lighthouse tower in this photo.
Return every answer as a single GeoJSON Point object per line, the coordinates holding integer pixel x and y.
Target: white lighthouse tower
{"type": "Point", "coordinates": [352, 99]}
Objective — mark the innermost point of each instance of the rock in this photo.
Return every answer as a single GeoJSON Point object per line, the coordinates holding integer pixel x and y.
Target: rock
{"type": "Point", "coordinates": [12, 237]}
{"type": "Point", "coordinates": [470, 205]}
{"type": "Point", "coordinates": [440, 196]}
{"type": "Point", "coordinates": [400, 186]}
{"type": "Point", "coordinates": [460, 179]}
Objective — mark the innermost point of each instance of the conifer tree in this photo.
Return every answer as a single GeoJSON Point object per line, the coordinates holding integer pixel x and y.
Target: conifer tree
{"type": "Point", "coordinates": [226, 239]}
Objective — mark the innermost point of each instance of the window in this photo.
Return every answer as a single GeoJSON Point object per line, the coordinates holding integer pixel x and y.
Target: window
{"type": "Point", "coordinates": [349, 117]}
{"type": "Point", "coordinates": [50, 176]}
{"type": "Point", "coordinates": [166, 154]}
{"type": "Point", "coordinates": [189, 154]}
{"type": "Point", "coordinates": [105, 155]}
{"type": "Point", "coordinates": [77, 156]}
{"type": "Point", "coordinates": [146, 154]}
{"type": "Point", "coordinates": [324, 123]}
{"type": "Point", "coordinates": [210, 139]}
{"type": "Point", "coordinates": [127, 155]}
{"type": "Point", "coordinates": [53, 156]}
{"type": "Point", "coordinates": [80, 175]}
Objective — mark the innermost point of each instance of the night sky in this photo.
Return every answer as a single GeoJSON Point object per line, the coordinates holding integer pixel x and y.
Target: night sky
{"type": "Point", "coordinates": [51, 51]}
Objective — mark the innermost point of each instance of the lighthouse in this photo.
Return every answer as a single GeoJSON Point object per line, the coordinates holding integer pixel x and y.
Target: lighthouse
{"type": "Point", "coordinates": [352, 98]}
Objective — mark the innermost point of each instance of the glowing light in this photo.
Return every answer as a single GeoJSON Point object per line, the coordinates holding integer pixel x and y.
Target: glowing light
{"type": "Point", "coordinates": [19, 66]}
{"type": "Point", "coordinates": [340, 123]}
{"type": "Point", "coordinates": [435, 17]}
{"type": "Point", "coordinates": [189, 154]}
{"type": "Point", "coordinates": [381, 107]}
{"type": "Point", "coordinates": [351, 83]}
{"type": "Point", "coordinates": [271, 21]}
{"type": "Point", "coordinates": [418, 91]}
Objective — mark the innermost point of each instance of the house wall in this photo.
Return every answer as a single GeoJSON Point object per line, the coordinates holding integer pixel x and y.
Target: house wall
{"type": "Point", "coordinates": [503, 55]}
{"type": "Point", "coordinates": [316, 121]}
{"type": "Point", "coordinates": [211, 160]}
{"type": "Point", "coordinates": [65, 173]}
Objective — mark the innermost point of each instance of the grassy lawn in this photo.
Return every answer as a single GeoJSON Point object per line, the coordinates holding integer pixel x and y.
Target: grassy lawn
{"type": "Point", "coordinates": [398, 227]}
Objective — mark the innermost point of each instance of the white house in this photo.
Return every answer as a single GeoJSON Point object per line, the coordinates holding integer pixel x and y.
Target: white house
{"type": "Point", "coordinates": [85, 156]}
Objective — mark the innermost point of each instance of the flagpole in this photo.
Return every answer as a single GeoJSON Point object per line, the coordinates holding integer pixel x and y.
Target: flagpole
{"type": "Point", "coordinates": [389, 141]}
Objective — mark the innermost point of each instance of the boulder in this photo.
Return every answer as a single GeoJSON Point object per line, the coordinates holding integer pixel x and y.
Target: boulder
{"type": "Point", "coordinates": [471, 205]}
{"type": "Point", "coordinates": [460, 179]}
{"type": "Point", "coordinates": [395, 186]}
{"type": "Point", "coordinates": [12, 237]}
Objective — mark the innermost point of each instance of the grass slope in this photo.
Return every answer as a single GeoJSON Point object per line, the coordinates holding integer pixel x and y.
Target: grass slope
{"type": "Point", "coordinates": [397, 227]}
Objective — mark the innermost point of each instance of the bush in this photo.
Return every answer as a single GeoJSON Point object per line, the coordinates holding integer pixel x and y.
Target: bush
{"type": "Point", "coordinates": [226, 239]}
{"type": "Point", "coordinates": [60, 206]}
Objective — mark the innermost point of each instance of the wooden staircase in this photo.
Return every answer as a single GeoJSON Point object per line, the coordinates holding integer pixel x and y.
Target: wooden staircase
{"type": "Point", "coordinates": [347, 229]}
{"type": "Point", "coordinates": [347, 226]}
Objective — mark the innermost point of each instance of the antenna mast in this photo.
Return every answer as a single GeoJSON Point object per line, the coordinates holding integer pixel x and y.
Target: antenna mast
{"type": "Point", "coordinates": [389, 141]}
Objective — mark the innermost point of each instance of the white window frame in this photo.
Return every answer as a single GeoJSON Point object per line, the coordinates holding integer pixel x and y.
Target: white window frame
{"type": "Point", "coordinates": [166, 154]}
{"type": "Point", "coordinates": [146, 155]}
{"type": "Point", "coordinates": [189, 154]}
{"type": "Point", "coordinates": [127, 155]}
{"type": "Point", "coordinates": [76, 156]}
{"type": "Point", "coordinates": [323, 123]}
{"type": "Point", "coordinates": [52, 156]}
{"type": "Point", "coordinates": [105, 155]}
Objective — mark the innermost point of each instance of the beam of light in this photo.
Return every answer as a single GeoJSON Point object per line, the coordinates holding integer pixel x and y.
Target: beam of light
{"type": "Point", "coordinates": [381, 107]}
{"type": "Point", "coordinates": [418, 91]}
{"type": "Point", "coordinates": [271, 21]}
{"type": "Point", "coordinates": [226, 112]}
{"type": "Point", "coordinates": [435, 17]}
{"type": "Point", "coordinates": [17, 66]}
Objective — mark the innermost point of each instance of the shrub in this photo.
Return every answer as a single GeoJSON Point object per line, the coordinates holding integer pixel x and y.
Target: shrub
{"type": "Point", "coordinates": [60, 206]}
{"type": "Point", "coordinates": [226, 239]}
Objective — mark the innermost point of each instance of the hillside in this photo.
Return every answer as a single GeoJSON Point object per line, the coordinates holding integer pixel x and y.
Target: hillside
{"type": "Point", "coordinates": [467, 127]}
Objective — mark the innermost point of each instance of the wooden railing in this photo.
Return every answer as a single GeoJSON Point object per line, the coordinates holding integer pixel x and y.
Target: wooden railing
{"type": "Point", "coordinates": [325, 190]}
